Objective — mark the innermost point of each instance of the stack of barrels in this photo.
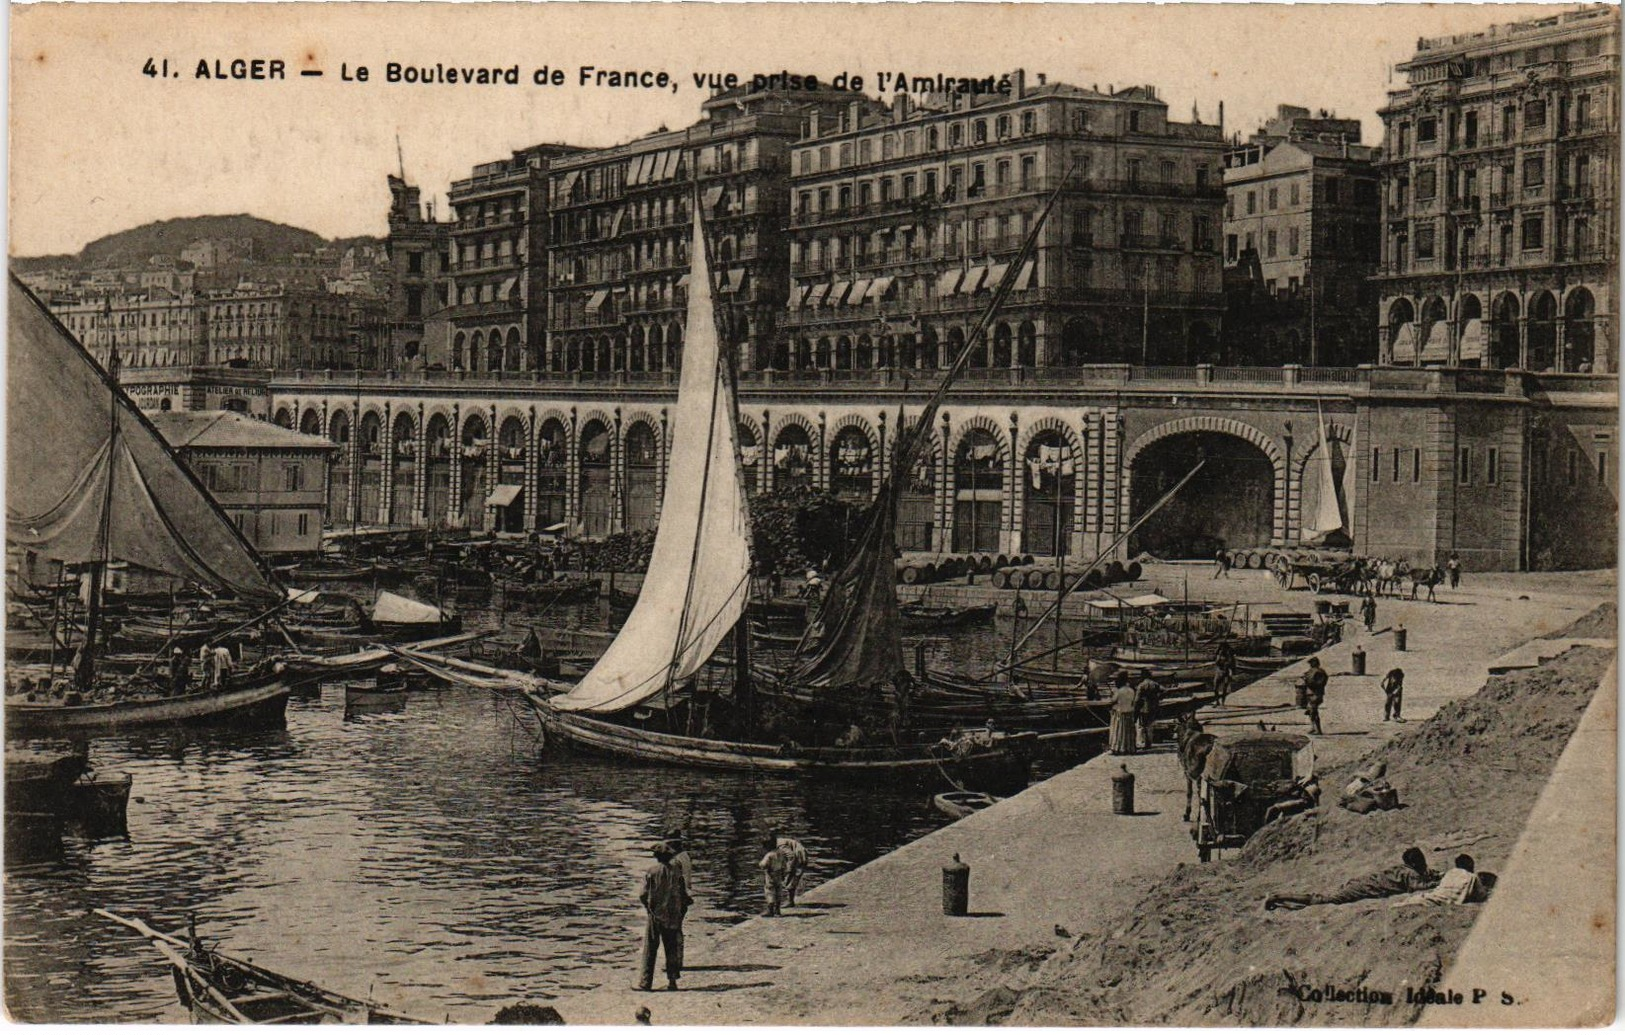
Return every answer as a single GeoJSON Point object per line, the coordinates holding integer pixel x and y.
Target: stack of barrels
{"type": "Point", "coordinates": [915, 572]}
{"type": "Point", "coordinates": [1048, 577]}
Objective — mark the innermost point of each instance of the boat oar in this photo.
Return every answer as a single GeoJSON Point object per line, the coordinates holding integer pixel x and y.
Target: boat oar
{"type": "Point", "coordinates": [165, 943]}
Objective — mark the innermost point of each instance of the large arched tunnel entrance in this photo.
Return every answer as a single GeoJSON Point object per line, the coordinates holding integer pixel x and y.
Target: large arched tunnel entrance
{"type": "Point", "coordinates": [1230, 502]}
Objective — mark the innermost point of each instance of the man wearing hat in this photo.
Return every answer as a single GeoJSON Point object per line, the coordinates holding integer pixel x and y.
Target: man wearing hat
{"type": "Point", "coordinates": [665, 898]}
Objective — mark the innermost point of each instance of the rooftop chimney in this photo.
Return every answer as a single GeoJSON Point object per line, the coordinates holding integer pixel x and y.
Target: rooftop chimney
{"type": "Point", "coordinates": [1018, 84]}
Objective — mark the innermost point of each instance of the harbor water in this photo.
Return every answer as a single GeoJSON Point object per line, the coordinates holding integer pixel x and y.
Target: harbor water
{"type": "Point", "coordinates": [437, 858]}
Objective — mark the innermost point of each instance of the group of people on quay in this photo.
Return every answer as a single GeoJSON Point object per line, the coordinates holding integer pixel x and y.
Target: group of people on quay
{"type": "Point", "coordinates": [668, 892]}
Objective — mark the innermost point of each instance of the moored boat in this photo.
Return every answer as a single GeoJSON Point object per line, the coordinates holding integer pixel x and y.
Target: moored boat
{"type": "Point", "coordinates": [219, 989]}
{"type": "Point", "coordinates": [248, 702]}
{"type": "Point", "coordinates": [959, 804]}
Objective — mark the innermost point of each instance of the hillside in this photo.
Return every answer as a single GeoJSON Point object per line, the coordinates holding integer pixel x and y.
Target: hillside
{"type": "Point", "coordinates": [273, 242]}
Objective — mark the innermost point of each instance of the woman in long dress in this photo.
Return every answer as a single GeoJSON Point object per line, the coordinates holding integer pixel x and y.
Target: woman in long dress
{"type": "Point", "coordinates": [1122, 740]}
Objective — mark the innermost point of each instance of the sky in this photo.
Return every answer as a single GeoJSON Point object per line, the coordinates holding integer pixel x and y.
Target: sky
{"type": "Point", "coordinates": [96, 146]}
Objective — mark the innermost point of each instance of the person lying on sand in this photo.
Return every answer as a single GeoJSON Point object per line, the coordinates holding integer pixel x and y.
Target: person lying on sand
{"type": "Point", "coordinates": [1411, 876]}
{"type": "Point", "coordinates": [1459, 886]}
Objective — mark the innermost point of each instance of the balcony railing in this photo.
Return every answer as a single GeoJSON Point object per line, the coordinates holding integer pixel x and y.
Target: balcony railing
{"type": "Point", "coordinates": [1150, 242]}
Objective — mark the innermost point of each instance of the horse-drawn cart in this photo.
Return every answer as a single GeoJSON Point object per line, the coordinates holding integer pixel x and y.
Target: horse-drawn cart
{"type": "Point", "coordinates": [1321, 575]}
{"type": "Point", "coordinates": [1249, 779]}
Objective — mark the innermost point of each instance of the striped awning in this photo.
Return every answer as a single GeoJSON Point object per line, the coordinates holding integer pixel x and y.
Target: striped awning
{"type": "Point", "coordinates": [815, 296]}
{"type": "Point", "coordinates": [596, 302]}
{"type": "Point", "coordinates": [973, 280]}
{"type": "Point", "coordinates": [1437, 347]}
{"type": "Point", "coordinates": [567, 183]}
{"type": "Point", "coordinates": [735, 279]}
{"type": "Point", "coordinates": [837, 292]}
{"type": "Point", "coordinates": [880, 287]}
{"type": "Point", "coordinates": [859, 293]}
{"type": "Point", "coordinates": [948, 281]}
{"type": "Point", "coordinates": [1405, 344]}
{"type": "Point", "coordinates": [712, 196]}
{"type": "Point", "coordinates": [1474, 338]}
{"type": "Point", "coordinates": [995, 275]}
{"type": "Point", "coordinates": [798, 294]}
{"type": "Point", "coordinates": [1024, 279]}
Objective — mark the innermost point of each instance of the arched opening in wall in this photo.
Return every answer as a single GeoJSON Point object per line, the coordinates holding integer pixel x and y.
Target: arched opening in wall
{"type": "Point", "coordinates": [1503, 343]}
{"type": "Point", "coordinates": [1404, 347]}
{"type": "Point", "coordinates": [750, 457]}
{"type": "Point", "coordinates": [618, 353]}
{"type": "Point", "coordinates": [1579, 338]}
{"type": "Point", "coordinates": [1474, 332]}
{"type": "Point", "coordinates": [405, 470]}
{"type": "Point", "coordinates": [792, 458]}
{"type": "Point", "coordinates": [888, 352]}
{"type": "Point", "coordinates": [409, 352]}
{"type": "Point", "coordinates": [476, 350]}
{"type": "Point", "coordinates": [978, 493]}
{"type": "Point", "coordinates": [822, 356]}
{"type": "Point", "coordinates": [512, 351]}
{"type": "Point", "coordinates": [864, 354]}
{"type": "Point", "coordinates": [1543, 332]}
{"type": "Point", "coordinates": [654, 350]}
{"type": "Point", "coordinates": [1434, 332]}
{"type": "Point", "coordinates": [459, 343]}
{"type": "Point", "coordinates": [165, 404]}
{"type": "Point", "coordinates": [437, 478]}
{"type": "Point", "coordinates": [283, 418]}
{"type": "Point", "coordinates": [1076, 338]}
{"type": "Point", "coordinates": [236, 405]}
{"type": "Point", "coordinates": [338, 482]}
{"type": "Point", "coordinates": [843, 353]}
{"type": "Point", "coordinates": [1049, 493]}
{"type": "Point", "coordinates": [636, 360]}
{"type": "Point", "coordinates": [1002, 339]}
{"type": "Point", "coordinates": [1164, 339]}
{"type": "Point", "coordinates": [371, 501]}
{"type": "Point", "coordinates": [311, 423]}
{"type": "Point", "coordinates": [1230, 502]}
{"type": "Point", "coordinates": [606, 350]}
{"type": "Point", "coordinates": [552, 473]}
{"type": "Point", "coordinates": [917, 500]}
{"type": "Point", "coordinates": [956, 343]}
{"type": "Point", "coordinates": [1027, 344]}
{"type": "Point", "coordinates": [493, 350]}
{"type": "Point", "coordinates": [475, 444]}
{"type": "Point", "coordinates": [507, 500]}
{"type": "Point", "coordinates": [907, 351]}
{"type": "Point", "coordinates": [642, 477]}
{"type": "Point", "coordinates": [930, 352]}
{"type": "Point", "coordinates": [851, 464]}
{"type": "Point", "coordinates": [674, 347]}
{"type": "Point", "coordinates": [597, 495]}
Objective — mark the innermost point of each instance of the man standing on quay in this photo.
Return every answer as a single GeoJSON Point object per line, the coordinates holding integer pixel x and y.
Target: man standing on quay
{"type": "Point", "coordinates": [666, 900]}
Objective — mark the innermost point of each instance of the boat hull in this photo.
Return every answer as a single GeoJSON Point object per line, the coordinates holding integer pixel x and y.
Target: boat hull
{"type": "Point", "coordinates": [255, 706]}
{"type": "Point", "coordinates": [1005, 766]}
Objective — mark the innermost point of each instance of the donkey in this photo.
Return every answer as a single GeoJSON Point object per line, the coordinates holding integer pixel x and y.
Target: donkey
{"type": "Point", "coordinates": [1429, 577]}
{"type": "Point", "coordinates": [1194, 747]}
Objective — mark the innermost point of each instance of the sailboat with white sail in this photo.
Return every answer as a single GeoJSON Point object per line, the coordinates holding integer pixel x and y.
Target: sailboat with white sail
{"type": "Point", "coordinates": [1326, 527]}
{"type": "Point", "coordinates": [641, 700]}
{"type": "Point", "coordinates": [89, 483]}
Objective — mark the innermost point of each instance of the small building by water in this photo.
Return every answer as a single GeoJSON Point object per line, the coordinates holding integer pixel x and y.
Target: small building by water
{"type": "Point", "coordinates": [271, 481]}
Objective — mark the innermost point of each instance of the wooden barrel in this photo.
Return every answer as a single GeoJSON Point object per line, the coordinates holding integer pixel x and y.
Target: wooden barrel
{"type": "Point", "coordinates": [1001, 579]}
{"type": "Point", "coordinates": [1115, 573]}
{"type": "Point", "coordinates": [1002, 561]}
{"type": "Point", "coordinates": [1026, 558]}
{"type": "Point", "coordinates": [911, 575]}
{"type": "Point", "coordinates": [1133, 571]}
{"type": "Point", "coordinates": [1092, 580]}
{"type": "Point", "coordinates": [1052, 580]}
{"type": "Point", "coordinates": [1269, 558]}
{"type": "Point", "coordinates": [984, 563]}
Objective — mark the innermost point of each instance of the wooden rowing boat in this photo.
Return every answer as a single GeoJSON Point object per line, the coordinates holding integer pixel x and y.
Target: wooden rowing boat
{"type": "Point", "coordinates": [220, 989]}
{"type": "Point", "coordinates": [959, 804]}
{"type": "Point", "coordinates": [923, 618]}
{"type": "Point", "coordinates": [258, 702]}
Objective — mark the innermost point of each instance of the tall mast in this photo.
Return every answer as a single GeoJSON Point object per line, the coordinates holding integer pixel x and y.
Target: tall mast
{"type": "Point", "coordinates": [104, 533]}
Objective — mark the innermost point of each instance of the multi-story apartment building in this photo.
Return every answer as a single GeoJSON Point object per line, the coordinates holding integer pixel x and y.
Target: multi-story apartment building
{"type": "Point", "coordinates": [419, 252]}
{"type": "Point", "coordinates": [154, 328]}
{"type": "Point", "coordinates": [905, 219]}
{"type": "Point", "coordinates": [621, 219]}
{"type": "Point", "coordinates": [279, 328]}
{"type": "Point", "coordinates": [1500, 192]}
{"type": "Point", "coordinates": [495, 276]}
{"type": "Point", "coordinates": [1301, 226]}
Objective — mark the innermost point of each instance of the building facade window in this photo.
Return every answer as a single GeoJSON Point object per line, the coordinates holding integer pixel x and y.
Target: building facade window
{"type": "Point", "coordinates": [1534, 229]}
{"type": "Point", "coordinates": [1464, 465]}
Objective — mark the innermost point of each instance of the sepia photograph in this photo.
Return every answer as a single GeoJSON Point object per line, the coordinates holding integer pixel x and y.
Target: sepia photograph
{"type": "Point", "coordinates": [880, 514]}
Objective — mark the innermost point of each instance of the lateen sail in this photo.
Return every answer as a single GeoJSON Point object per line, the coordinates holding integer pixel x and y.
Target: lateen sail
{"type": "Point", "coordinates": [1328, 513]}
{"type": "Point", "coordinates": [699, 571]}
{"type": "Point", "coordinates": [61, 454]}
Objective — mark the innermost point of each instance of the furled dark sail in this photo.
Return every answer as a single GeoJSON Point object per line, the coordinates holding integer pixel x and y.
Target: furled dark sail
{"type": "Point", "coordinates": [855, 638]}
{"type": "Point", "coordinates": [63, 450]}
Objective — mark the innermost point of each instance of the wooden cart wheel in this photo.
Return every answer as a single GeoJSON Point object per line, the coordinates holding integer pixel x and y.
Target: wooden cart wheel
{"type": "Point", "coordinates": [1314, 582]}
